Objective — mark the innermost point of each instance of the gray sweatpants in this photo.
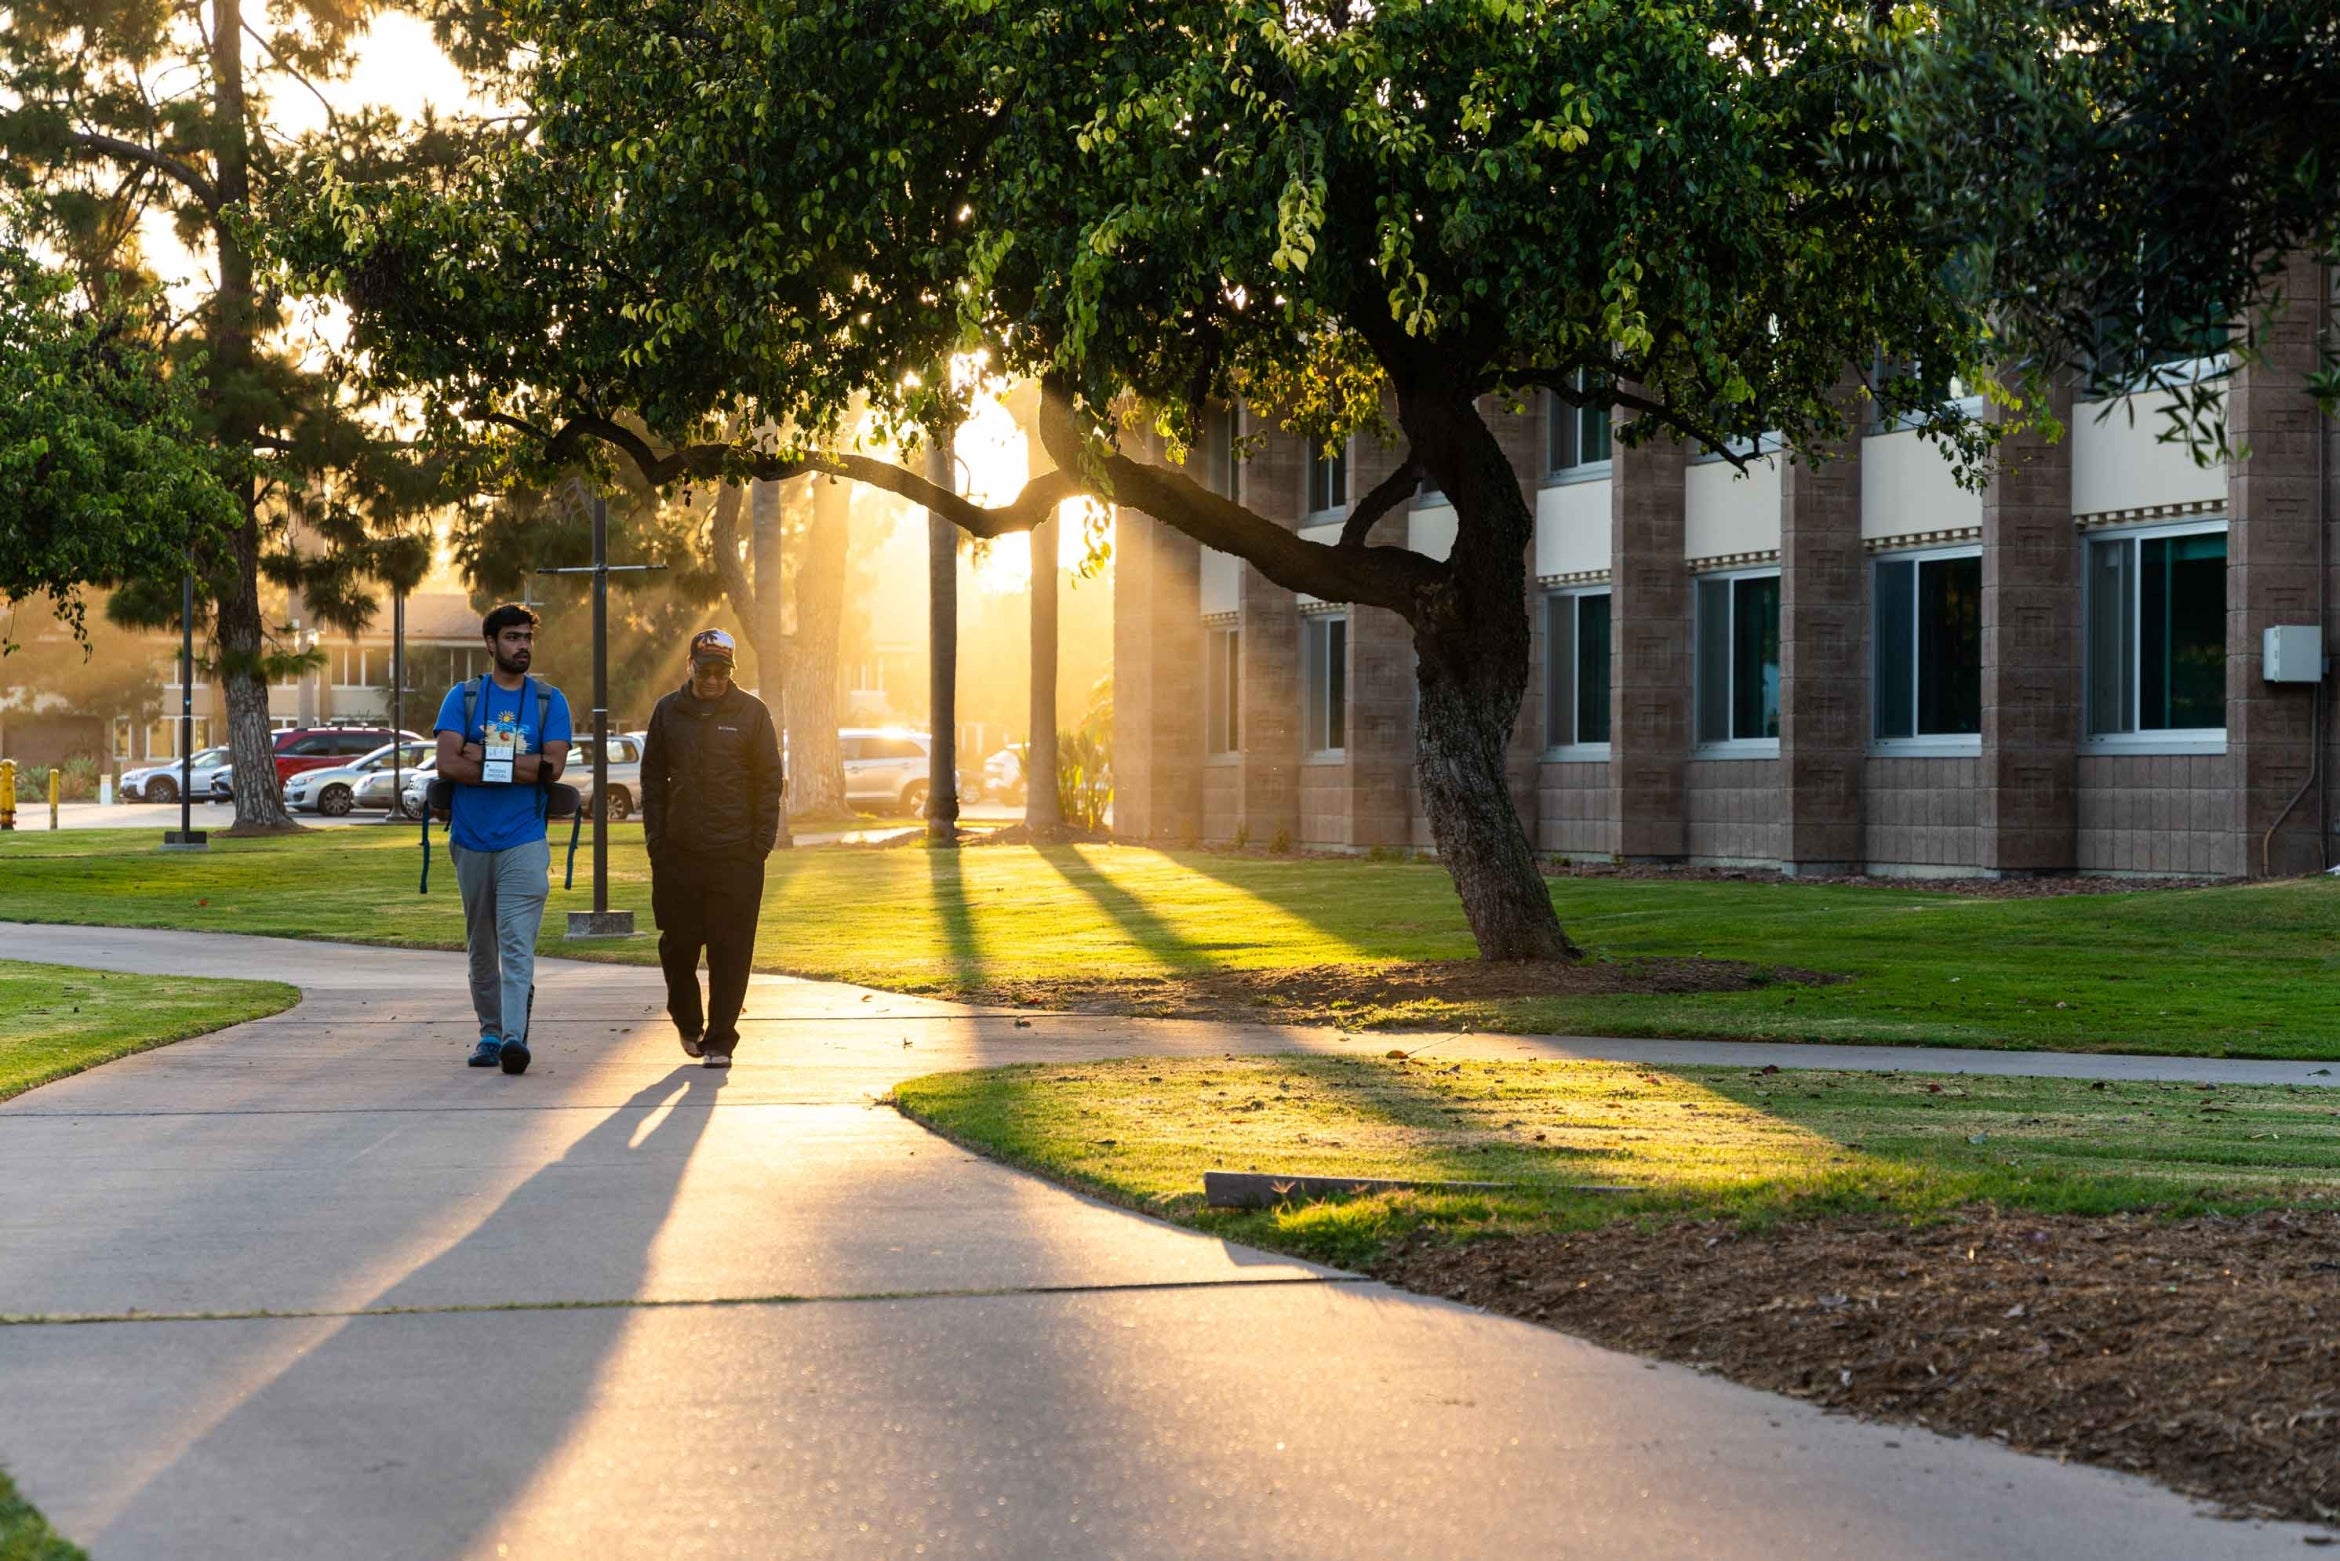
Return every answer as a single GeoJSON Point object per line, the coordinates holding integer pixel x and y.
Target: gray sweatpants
{"type": "Point", "coordinates": [503, 904]}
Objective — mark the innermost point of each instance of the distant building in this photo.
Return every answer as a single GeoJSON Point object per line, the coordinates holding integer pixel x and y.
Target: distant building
{"type": "Point", "coordinates": [1858, 665]}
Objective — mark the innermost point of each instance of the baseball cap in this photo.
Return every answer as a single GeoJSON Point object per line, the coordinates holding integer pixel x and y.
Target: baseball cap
{"type": "Point", "coordinates": [714, 645]}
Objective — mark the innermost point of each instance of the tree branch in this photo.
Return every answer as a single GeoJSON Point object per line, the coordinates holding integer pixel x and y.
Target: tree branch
{"type": "Point", "coordinates": [161, 162]}
{"type": "Point", "coordinates": [1612, 393]}
{"type": "Point", "coordinates": [1387, 495]}
{"type": "Point", "coordinates": [1391, 577]}
{"type": "Point", "coordinates": [710, 462]}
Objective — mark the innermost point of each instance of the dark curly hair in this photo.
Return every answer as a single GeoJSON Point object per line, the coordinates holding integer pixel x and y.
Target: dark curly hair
{"type": "Point", "coordinates": [509, 615]}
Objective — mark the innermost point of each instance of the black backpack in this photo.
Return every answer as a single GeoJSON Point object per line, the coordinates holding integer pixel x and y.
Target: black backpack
{"type": "Point", "coordinates": [554, 800]}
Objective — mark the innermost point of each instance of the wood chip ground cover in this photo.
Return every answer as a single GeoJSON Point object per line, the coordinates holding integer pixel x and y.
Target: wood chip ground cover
{"type": "Point", "coordinates": [2204, 1352]}
{"type": "Point", "coordinates": [2142, 1275]}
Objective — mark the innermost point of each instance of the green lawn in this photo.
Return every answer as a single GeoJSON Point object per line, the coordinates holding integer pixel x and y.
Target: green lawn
{"type": "Point", "coordinates": [1701, 1141]}
{"type": "Point", "coordinates": [55, 1020]}
{"type": "Point", "coordinates": [25, 1535]}
{"type": "Point", "coordinates": [2230, 971]}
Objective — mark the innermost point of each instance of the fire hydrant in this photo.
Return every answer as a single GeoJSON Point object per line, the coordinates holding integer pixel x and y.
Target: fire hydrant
{"type": "Point", "coordinates": [7, 793]}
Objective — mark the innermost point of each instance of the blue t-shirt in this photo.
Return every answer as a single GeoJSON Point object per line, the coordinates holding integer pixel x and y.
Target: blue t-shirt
{"type": "Point", "coordinates": [497, 818]}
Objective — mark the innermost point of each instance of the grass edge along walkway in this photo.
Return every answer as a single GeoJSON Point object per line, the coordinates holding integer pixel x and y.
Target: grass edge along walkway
{"type": "Point", "coordinates": [2234, 970]}
{"type": "Point", "coordinates": [59, 1020]}
{"type": "Point", "coordinates": [1700, 1142]}
{"type": "Point", "coordinates": [25, 1535]}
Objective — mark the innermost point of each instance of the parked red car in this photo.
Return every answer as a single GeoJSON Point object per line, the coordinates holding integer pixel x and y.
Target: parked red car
{"type": "Point", "coordinates": [316, 747]}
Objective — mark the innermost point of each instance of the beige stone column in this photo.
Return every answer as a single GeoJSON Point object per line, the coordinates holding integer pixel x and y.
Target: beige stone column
{"type": "Point", "coordinates": [2271, 579]}
{"type": "Point", "coordinates": [1649, 723]}
{"type": "Point", "coordinates": [2031, 669]}
{"type": "Point", "coordinates": [1823, 718]}
{"type": "Point", "coordinates": [1157, 681]}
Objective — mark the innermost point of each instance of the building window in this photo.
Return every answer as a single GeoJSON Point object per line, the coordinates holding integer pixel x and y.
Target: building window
{"type": "Point", "coordinates": [1223, 691]}
{"type": "Point", "coordinates": [1576, 669]}
{"type": "Point", "coordinates": [1222, 457]}
{"type": "Point", "coordinates": [356, 666]}
{"type": "Point", "coordinates": [2157, 633]}
{"type": "Point", "coordinates": [1325, 667]}
{"type": "Point", "coordinates": [1738, 658]}
{"type": "Point", "coordinates": [1574, 437]}
{"type": "Point", "coordinates": [1328, 478]}
{"type": "Point", "coordinates": [1926, 646]}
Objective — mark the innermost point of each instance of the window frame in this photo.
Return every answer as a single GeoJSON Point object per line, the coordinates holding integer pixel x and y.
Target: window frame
{"type": "Point", "coordinates": [1575, 469]}
{"type": "Point", "coordinates": [1575, 750]}
{"type": "Point", "coordinates": [1316, 671]}
{"type": "Point", "coordinates": [1222, 692]}
{"type": "Point", "coordinates": [1316, 461]}
{"type": "Point", "coordinates": [1729, 747]}
{"type": "Point", "coordinates": [1936, 745]}
{"type": "Point", "coordinates": [2138, 739]}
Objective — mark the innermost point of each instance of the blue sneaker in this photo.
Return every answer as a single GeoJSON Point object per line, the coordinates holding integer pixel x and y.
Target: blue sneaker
{"type": "Point", "coordinates": [487, 1053]}
{"type": "Point", "coordinates": [514, 1055]}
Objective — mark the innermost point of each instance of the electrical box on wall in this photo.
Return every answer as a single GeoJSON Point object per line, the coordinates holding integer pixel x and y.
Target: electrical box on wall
{"type": "Point", "coordinates": [2293, 653]}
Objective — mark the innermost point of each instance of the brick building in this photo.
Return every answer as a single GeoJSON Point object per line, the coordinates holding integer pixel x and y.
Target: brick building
{"type": "Point", "coordinates": [1854, 663]}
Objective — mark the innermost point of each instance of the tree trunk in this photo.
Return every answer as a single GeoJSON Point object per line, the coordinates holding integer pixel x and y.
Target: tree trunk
{"type": "Point", "coordinates": [239, 631]}
{"type": "Point", "coordinates": [1471, 644]}
{"type": "Point", "coordinates": [1043, 812]}
{"type": "Point", "coordinates": [816, 779]}
{"type": "Point", "coordinates": [240, 636]}
{"type": "Point", "coordinates": [942, 614]}
{"type": "Point", "coordinates": [765, 613]}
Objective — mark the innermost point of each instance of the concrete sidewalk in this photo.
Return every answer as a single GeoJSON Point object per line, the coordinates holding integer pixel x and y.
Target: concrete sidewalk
{"type": "Point", "coordinates": [310, 1288]}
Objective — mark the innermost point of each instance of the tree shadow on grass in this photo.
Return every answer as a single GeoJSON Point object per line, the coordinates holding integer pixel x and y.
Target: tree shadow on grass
{"type": "Point", "coordinates": [947, 881]}
{"type": "Point", "coordinates": [410, 1434]}
{"type": "Point", "coordinates": [1144, 926]}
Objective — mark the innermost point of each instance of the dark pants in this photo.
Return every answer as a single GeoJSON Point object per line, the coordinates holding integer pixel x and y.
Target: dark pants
{"type": "Point", "coordinates": [705, 902]}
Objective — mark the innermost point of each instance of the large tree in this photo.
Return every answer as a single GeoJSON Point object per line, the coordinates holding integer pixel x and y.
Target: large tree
{"type": "Point", "coordinates": [1391, 216]}
{"type": "Point", "coordinates": [121, 117]}
{"type": "Point", "coordinates": [103, 474]}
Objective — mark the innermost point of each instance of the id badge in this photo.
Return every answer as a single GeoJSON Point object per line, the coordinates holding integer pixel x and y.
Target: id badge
{"type": "Point", "coordinates": [495, 765]}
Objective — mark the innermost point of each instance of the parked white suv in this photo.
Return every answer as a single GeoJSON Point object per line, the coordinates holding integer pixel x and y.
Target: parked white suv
{"type": "Point", "coordinates": [160, 782]}
{"type": "Point", "coordinates": [888, 767]}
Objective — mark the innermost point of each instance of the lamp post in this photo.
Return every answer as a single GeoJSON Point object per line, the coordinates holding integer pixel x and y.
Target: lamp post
{"type": "Point", "coordinates": [601, 921]}
{"type": "Point", "coordinates": [390, 815]}
{"type": "Point", "coordinates": [186, 837]}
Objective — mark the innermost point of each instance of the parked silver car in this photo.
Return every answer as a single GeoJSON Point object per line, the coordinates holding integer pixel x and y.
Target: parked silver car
{"type": "Point", "coordinates": [373, 791]}
{"type": "Point", "coordinates": [334, 792]}
{"type": "Point", "coordinates": [625, 777]}
{"type": "Point", "coordinates": [160, 782]}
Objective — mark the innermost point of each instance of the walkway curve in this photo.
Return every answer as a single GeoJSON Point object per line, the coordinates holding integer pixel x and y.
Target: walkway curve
{"type": "Point", "coordinates": [308, 1287]}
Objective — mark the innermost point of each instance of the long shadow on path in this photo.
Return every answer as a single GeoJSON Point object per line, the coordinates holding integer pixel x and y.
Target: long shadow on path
{"type": "Point", "coordinates": [410, 1434]}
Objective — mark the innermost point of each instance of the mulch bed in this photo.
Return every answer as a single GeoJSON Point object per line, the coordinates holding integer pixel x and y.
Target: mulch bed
{"type": "Point", "coordinates": [2203, 1352]}
{"type": "Point", "coordinates": [1327, 993]}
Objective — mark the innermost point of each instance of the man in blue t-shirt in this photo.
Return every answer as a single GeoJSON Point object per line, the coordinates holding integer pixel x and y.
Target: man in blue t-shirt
{"type": "Point", "coordinates": [503, 738]}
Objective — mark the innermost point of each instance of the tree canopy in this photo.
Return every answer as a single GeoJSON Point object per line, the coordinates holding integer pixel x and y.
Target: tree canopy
{"type": "Point", "coordinates": [104, 476]}
{"type": "Point", "coordinates": [1398, 218]}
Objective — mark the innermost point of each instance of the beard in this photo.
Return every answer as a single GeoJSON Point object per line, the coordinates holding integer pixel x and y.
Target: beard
{"type": "Point", "coordinates": [516, 662]}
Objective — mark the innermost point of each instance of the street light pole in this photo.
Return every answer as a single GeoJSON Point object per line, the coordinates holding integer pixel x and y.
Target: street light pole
{"type": "Point", "coordinates": [397, 706]}
{"type": "Point", "coordinates": [601, 921]}
{"type": "Point", "coordinates": [186, 837]}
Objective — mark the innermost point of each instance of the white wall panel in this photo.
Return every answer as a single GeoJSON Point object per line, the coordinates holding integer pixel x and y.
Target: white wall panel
{"type": "Point", "coordinates": [1572, 528]}
{"type": "Point", "coordinates": [1725, 510]}
{"type": "Point", "coordinates": [2120, 466]}
{"type": "Point", "coordinates": [1430, 530]}
{"type": "Point", "coordinates": [1908, 487]}
{"type": "Point", "coordinates": [1222, 574]}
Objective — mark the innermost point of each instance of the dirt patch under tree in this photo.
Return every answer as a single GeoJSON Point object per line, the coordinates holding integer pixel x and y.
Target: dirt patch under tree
{"type": "Point", "coordinates": [2203, 1352]}
{"type": "Point", "coordinates": [1332, 994]}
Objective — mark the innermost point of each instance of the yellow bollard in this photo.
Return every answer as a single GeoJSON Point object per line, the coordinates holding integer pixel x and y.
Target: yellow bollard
{"type": "Point", "coordinates": [53, 799]}
{"type": "Point", "coordinates": [7, 793]}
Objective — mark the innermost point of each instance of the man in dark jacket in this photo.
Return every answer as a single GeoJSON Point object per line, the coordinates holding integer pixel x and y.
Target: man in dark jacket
{"type": "Point", "coordinates": [711, 788]}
